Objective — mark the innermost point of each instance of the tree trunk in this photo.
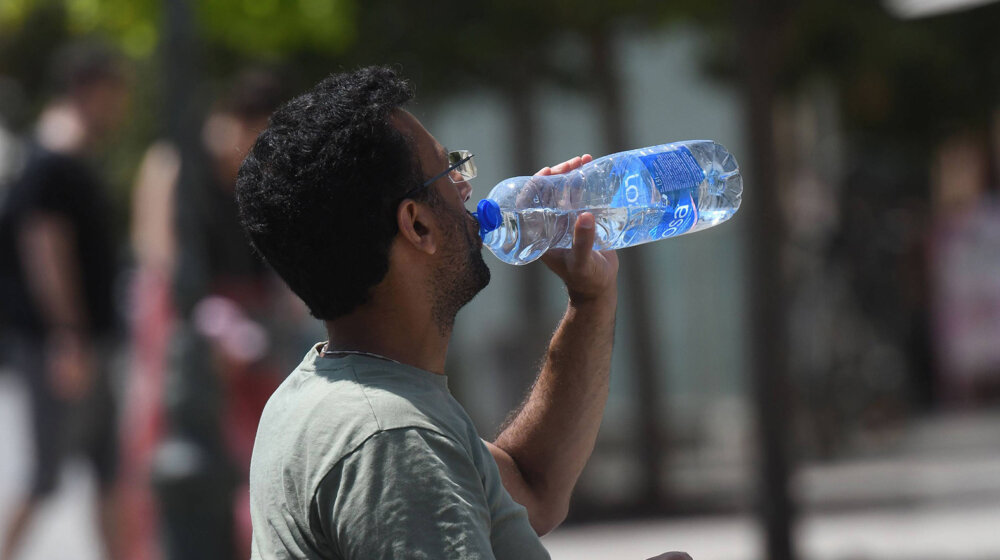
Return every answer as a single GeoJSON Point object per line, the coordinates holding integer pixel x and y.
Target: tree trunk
{"type": "Point", "coordinates": [525, 348]}
{"type": "Point", "coordinates": [193, 479]}
{"type": "Point", "coordinates": [635, 292]}
{"type": "Point", "coordinates": [758, 22]}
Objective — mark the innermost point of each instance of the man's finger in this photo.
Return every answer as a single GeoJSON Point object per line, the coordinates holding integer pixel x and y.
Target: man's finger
{"type": "Point", "coordinates": [567, 165]}
{"type": "Point", "coordinates": [583, 236]}
{"type": "Point", "coordinates": [578, 161]}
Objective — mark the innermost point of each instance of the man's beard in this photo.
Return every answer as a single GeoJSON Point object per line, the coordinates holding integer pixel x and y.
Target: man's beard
{"type": "Point", "coordinates": [463, 272]}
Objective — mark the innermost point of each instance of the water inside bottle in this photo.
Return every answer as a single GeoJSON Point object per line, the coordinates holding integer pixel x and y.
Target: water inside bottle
{"type": "Point", "coordinates": [538, 213]}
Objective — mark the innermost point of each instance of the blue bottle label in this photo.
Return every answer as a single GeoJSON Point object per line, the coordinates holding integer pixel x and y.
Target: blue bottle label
{"type": "Point", "coordinates": [680, 215]}
{"type": "Point", "coordinates": [674, 170]}
{"type": "Point", "coordinates": [632, 190]}
{"type": "Point", "coordinates": [676, 175]}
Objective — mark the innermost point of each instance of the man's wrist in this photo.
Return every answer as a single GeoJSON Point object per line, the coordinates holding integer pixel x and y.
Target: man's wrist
{"type": "Point", "coordinates": [606, 300]}
{"type": "Point", "coordinates": [606, 295]}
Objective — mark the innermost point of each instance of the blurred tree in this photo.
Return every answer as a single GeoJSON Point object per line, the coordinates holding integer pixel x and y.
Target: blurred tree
{"type": "Point", "coordinates": [26, 47]}
{"type": "Point", "coordinates": [232, 34]}
{"type": "Point", "coordinates": [902, 87]}
{"type": "Point", "coordinates": [261, 28]}
{"type": "Point", "coordinates": [760, 49]}
{"type": "Point", "coordinates": [597, 22]}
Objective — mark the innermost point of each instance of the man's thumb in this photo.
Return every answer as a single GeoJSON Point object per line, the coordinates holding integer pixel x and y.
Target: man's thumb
{"type": "Point", "coordinates": [583, 236]}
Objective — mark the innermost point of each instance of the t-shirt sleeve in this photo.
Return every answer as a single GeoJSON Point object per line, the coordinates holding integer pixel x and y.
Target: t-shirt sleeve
{"type": "Point", "coordinates": [406, 493]}
{"type": "Point", "coordinates": [45, 187]}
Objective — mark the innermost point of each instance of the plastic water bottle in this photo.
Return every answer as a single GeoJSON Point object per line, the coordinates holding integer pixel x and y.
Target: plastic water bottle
{"type": "Point", "coordinates": [636, 196]}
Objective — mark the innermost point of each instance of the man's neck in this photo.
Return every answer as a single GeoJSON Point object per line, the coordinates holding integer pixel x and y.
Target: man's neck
{"type": "Point", "coordinates": [406, 335]}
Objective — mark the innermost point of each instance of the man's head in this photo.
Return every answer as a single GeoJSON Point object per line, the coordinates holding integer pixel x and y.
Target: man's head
{"type": "Point", "coordinates": [93, 78]}
{"type": "Point", "coordinates": [326, 186]}
{"type": "Point", "coordinates": [238, 118]}
{"type": "Point", "coordinates": [459, 272]}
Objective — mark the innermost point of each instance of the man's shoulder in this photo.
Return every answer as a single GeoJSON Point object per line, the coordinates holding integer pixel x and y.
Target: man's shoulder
{"type": "Point", "coordinates": [367, 395]}
{"type": "Point", "coordinates": [401, 396]}
{"type": "Point", "coordinates": [321, 414]}
{"type": "Point", "coordinates": [50, 181]}
{"type": "Point", "coordinates": [318, 415]}
{"type": "Point", "coordinates": [42, 164]}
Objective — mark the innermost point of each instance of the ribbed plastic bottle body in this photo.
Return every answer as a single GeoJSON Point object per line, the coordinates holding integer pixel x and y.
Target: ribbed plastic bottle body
{"type": "Point", "coordinates": [636, 196]}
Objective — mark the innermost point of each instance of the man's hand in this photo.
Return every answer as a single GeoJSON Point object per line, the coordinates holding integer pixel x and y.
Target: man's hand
{"type": "Point", "coordinates": [588, 274]}
{"type": "Point", "coordinates": [47, 249]}
{"type": "Point", "coordinates": [71, 364]}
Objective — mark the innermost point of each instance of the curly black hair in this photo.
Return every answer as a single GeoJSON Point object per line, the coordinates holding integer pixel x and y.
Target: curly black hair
{"type": "Point", "coordinates": [318, 191]}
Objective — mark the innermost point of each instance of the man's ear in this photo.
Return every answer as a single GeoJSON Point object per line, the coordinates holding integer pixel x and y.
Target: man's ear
{"type": "Point", "coordinates": [417, 226]}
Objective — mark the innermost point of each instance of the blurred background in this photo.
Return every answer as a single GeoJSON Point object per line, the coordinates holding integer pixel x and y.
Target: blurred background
{"type": "Point", "coordinates": [818, 378]}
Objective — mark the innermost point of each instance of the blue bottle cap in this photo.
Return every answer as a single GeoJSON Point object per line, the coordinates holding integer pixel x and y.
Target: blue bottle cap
{"type": "Point", "coordinates": [488, 214]}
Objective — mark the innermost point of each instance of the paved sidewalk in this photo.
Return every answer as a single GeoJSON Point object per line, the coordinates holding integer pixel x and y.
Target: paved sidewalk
{"type": "Point", "coordinates": [64, 528]}
{"type": "Point", "coordinates": [932, 494]}
{"type": "Point", "coordinates": [969, 532]}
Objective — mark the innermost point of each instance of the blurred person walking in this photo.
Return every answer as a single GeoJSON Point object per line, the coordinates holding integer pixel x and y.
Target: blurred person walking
{"type": "Point", "coordinates": [245, 316]}
{"type": "Point", "coordinates": [57, 255]}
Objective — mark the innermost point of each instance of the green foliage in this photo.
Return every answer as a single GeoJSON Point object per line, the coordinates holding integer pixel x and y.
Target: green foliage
{"type": "Point", "coordinates": [131, 23]}
{"type": "Point", "coordinates": [279, 27]}
{"type": "Point", "coordinates": [27, 41]}
{"type": "Point", "coordinates": [457, 44]}
{"type": "Point", "coordinates": [905, 82]}
{"type": "Point", "coordinates": [898, 77]}
{"type": "Point", "coordinates": [250, 27]}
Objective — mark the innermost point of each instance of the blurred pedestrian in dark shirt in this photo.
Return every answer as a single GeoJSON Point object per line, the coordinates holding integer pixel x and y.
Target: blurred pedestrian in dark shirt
{"type": "Point", "coordinates": [246, 314]}
{"type": "Point", "coordinates": [57, 258]}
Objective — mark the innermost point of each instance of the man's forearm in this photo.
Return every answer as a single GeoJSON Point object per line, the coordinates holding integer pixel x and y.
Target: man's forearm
{"type": "Point", "coordinates": [46, 247]}
{"type": "Point", "coordinates": [553, 434]}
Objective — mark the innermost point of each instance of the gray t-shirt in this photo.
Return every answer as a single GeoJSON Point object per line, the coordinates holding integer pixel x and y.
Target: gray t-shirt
{"type": "Point", "coordinates": [362, 458]}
